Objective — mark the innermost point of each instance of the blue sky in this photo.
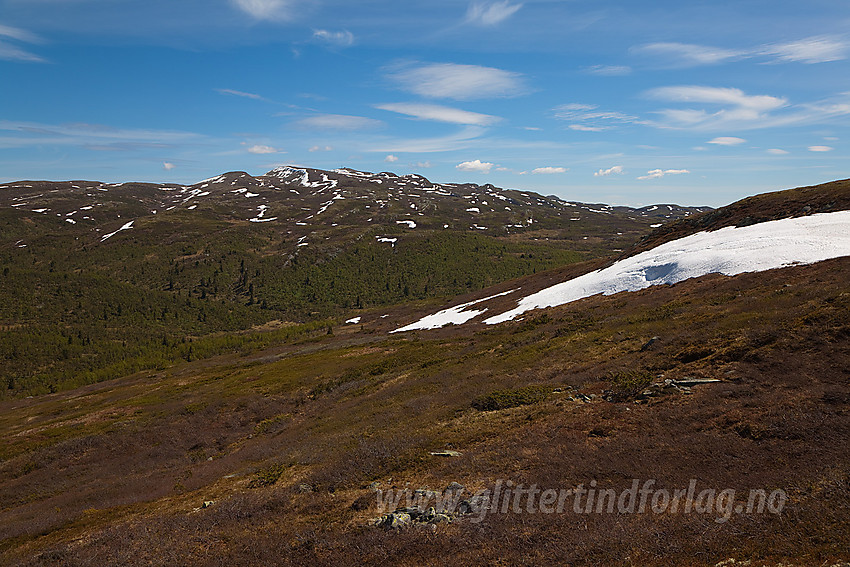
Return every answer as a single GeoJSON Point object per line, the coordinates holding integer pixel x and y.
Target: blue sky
{"type": "Point", "coordinates": [698, 103]}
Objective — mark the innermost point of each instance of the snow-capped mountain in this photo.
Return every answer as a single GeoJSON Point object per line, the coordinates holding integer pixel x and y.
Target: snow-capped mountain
{"type": "Point", "coordinates": [305, 202]}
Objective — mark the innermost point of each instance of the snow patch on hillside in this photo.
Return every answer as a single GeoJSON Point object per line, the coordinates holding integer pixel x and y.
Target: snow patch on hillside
{"type": "Point", "coordinates": [451, 316]}
{"type": "Point", "coordinates": [127, 226]}
{"type": "Point", "coordinates": [728, 251]}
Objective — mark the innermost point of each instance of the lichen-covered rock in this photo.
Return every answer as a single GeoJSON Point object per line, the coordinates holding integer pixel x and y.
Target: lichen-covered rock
{"type": "Point", "coordinates": [396, 520]}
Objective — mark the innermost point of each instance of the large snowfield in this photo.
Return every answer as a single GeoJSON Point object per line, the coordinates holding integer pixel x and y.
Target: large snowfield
{"type": "Point", "coordinates": [729, 251]}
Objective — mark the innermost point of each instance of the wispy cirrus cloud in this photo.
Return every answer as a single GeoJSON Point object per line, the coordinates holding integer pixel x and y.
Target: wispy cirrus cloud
{"type": "Point", "coordinates": [459, 82]}
{"type": "Point", "coordinates": [727, 141]}
{"type": "Point", "coordinates": [491, 13]}
{"type": "Point", "coordinates": [687, 54]}
{"type": "Point", "coordinates": [659, 173]}
{"type": "Point", "coordinates": [724, 108]}
{"type": "Point", "coordinates": [810, 50]}
{"type": "Point", "coordinates": [460, 140]}
{"type": "Point", "coordinates": [817, 49]}
{"type": "Point", "coordinates": [275, 10]}
{"type": "Point", "coordinates": [9, 51]}
{"type": "Point", "coordinates": [821, 148]}
{"type": "Point", "coordinates": [339, 39]}
{"type": "Point", "coordinates": [736, 108]}
{"type": "Point", "coordinates": [609, 70]}
{"type": "Point", "coordinates": [91, 136]}
{"type": "Point", "coordinates": [240, 93]}
{"type": "Point", "coordinates": [440, 113]}
{"type": "Point", "coordinates": [337, 122]}
{"type": "Point", "coordinates": [588, 117]}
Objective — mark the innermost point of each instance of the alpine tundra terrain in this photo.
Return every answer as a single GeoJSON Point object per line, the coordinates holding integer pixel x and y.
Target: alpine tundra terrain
{"type": "Point", "coordinates": [249, 370]}
{"type": "Point", "coordinates": [101, 280]}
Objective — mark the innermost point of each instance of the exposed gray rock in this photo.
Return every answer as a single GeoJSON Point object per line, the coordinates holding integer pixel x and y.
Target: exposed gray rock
{"type": "Point", "coordinates": [474, 505]}
{"type": "Point", "coordinates": [411, 516]}
{"type": "Point", "coordinates": [395, 520]}
{"type": "Point", "coordinates": [688, 381]}
{"type": "Point", "coordinates": [446, 453]}
{"type": "Point", "coordinates": [668, 386]}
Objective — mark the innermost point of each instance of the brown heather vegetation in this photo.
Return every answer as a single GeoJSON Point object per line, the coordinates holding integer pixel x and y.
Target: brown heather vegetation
{"type": "Point", "coordinates": [116, 473]}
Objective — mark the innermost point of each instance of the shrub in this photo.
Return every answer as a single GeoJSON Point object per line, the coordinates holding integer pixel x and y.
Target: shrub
{"type": "Point", "coordinates": [626, 384]}
{"type": "Point", "coordinates": [511, 398]}
{"type": "Point", "coordinates": [268, 475]}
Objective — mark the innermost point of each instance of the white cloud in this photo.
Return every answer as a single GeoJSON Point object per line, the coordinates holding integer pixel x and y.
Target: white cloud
{"type": "Point", "coordinates": [391, 159]}
{"type": "Point", "coordinates": [265, 9]}
{"type": "Point", "coordinates": [548, 170]}
{"type": "Point", "coordinates": [459, 82]}
{"type": "Point", "coordinates": [589, 118]}
{"type": "Point", "coordinates": [337, 122]}
{"type": "Point", "coordinates": [476, 166]}
{"type": "Point", "coordinates": [168, 166]}
{"type": "Point", "coordinates": [727, 141]}
{"type": "Point", "coordinates": [609, 70]}
{"type": "Point", "coordinates": [818, 49]}
{"type": "Point", "coordinates": [422, 164]}
{"type": "Point", "coordinates": [440, 113]}
{"type": "Point", "coordinates": [581, 128]}
{"type": "Point", "coordinates": [820, 148]}
{"type": "Point", "coordinates": [777, 151]}
{"type": "Point", "coordinates": [737, 108]}
{"type": "Point", "coordinates": [93, 136]}
{"type": "Point", "coordinates": [686, 54]}
{"type": "Point", "coordinates": [19, 34]}
{"type": "Point", "coordinates": [239, 93]}
{"type": "Point", "coordinates": [460, 140]}
{"type": "Point", "coordinates": [341, 38]}
{"type": "Point", "coordinates": [810, 50]}
{"type": "Point", "coordinates": [659, 173]}
{"type": "Point", "coordinates": [491, 13]}
{"type": "Point", "coordinates": [11, 52]}
{"type": "Point", "coordinates": [262, 150]}
{"type": "Point", "coordinates": [320, 149]}
{"type": "Point", "coordinates": [616, 170]}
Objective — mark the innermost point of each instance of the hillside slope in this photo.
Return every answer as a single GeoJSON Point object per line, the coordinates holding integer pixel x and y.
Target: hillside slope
{"type": "Point", "coordinates": [101, 280]}
{"type": "Point", "coordinates": [276, 455]}
{"type": "Point", "coordinates": [764, 239]}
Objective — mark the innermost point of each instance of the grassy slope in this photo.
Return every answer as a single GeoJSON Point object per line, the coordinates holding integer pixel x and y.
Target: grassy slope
{"type": "Point", "coordinates": [113, 473]}
{"type": "Point", "coordinates": [122, 465]}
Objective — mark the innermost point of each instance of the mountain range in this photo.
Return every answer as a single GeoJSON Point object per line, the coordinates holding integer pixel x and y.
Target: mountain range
{"type": "Point", "coordinates": [155, 265]}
